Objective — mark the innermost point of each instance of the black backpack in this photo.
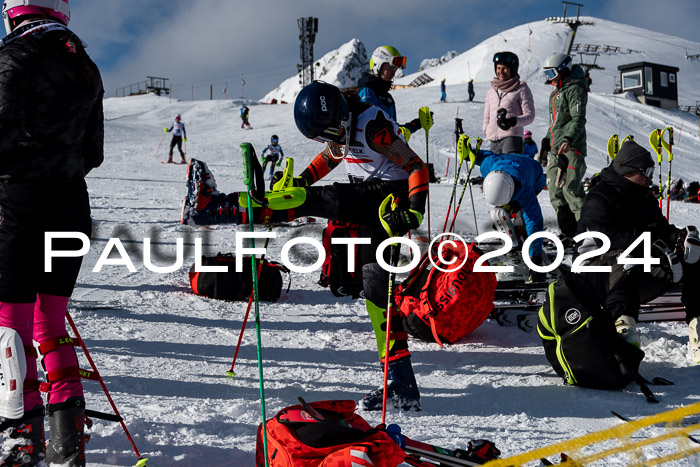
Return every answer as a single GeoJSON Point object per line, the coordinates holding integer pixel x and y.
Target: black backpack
{"type": "Point", "coordinates": [236, 286]}
{"type": "Point", "coordinates": [581, 342]}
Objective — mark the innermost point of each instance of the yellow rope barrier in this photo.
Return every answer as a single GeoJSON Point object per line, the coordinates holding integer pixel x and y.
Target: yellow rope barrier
{"type": "Point", "coordinates": [621, 432]}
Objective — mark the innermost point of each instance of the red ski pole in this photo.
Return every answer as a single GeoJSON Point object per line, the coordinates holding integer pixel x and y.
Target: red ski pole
{"type": "Point", "coordinates": [142, 461]}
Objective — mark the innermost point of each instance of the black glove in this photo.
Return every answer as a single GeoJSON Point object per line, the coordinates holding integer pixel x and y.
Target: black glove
{"type": "Point", "coordinates": [297, 181]}
{"type": "Point", "coordinates": [543, 156]}
{"type": "Point", "coordinates": [562, 166]}
{"type": "Point", "coordinates": [401, 221]}
{"type": "Point", "coordinates": [414, 125]}
{"type": "Point", "coordinates": [479, 450]}
{"type": "Point", "coordinates": [504, 123]}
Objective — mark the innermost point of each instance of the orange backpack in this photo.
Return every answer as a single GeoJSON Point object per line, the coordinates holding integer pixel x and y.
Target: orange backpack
{"type": "Point", "coordinates": [296, 439]}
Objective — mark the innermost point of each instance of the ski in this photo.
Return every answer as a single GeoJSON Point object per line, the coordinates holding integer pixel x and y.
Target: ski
{"type": "Point", "coordinates": [306, 220]}
{"type": "Point", "coordinates": [684, 422]}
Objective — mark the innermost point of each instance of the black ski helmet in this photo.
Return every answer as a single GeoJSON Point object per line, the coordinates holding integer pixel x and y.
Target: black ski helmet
{"type": "Point", "coordinates": [274, 138]}
{"type": "Point", "coordinates": [320, 110]}
{"type": "Point", "coordinates": [508, 59]}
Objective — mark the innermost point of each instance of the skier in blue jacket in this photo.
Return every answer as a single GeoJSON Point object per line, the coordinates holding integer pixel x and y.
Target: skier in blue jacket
{"type": "Point", "coordinates": [513, 181]}
{"type": "Point", "coordinates": [374, 86]}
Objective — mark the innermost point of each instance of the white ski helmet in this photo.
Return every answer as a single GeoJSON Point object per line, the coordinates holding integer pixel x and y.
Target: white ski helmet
{"type": "Point", "coordinates": [57, 9]}
{"type": "Point", "coordinates": [385, 54]}
{"type": "Point", "coordinates": [498, 188]}
{"type": "Point", "coordinates": [555, 63]}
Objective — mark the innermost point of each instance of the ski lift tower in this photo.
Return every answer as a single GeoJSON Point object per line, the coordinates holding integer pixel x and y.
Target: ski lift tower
{"type": "Point", "coordinates": [308, 27]}
{"type": "Point", "coordinates": [573, 23]}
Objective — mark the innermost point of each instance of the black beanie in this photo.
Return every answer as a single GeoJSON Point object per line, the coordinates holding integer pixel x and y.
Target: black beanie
{"type": "Point", "coordinates": [632, 158]}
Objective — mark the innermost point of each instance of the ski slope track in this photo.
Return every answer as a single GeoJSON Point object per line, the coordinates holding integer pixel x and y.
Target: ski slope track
{"type": "Point", "coordinates": [164, 352]}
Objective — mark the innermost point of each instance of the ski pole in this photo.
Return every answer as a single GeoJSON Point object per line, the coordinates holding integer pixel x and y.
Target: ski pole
{"type": "Point", "coordinates": [669, 149]}
{"type": "Point", "coordinates": [655, 142]}
{"type": "Point", "coordinates": [252, 167]}
{"type": "Point", "coordinates": [613, 147]}
{"type": "Point", "coordinates": [392, 203]}
{"type": "Point", "coordinates": [141, 460]}
{"type": "Point", "coordinates": [458, 132]}
{"type": "Point", "coordinates": [230, 372]}
{"type": "Point", "coordinates": [462, 152]}
{"type": "Point", "coordinates": [160, 142]}
{"type": "Point", "coordinates": [426, 121]}
{"type": "Point", "coordinates": [282, 184]}
{"type": "Point", "coordinates": [472, 162]}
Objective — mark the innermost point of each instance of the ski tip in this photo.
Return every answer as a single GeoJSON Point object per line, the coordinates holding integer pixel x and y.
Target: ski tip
{"type": "Point", "coordinates": [231, 374]}
{"type": "Point", "coordinates": [141, 462]}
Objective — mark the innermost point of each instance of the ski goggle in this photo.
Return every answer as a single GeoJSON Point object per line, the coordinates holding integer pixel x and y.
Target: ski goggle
{"type": "Point", "coordinates": [550, 73]}
{"type": "Point", "coordinates": [648, 171]}
{"type": "Point", "coordinates": [329, 135]}
{"type": "Point", "coordinates": [332, 134]}
{"type": "Point", "coordinates": [274, 140]}
{"type": "Point", "coordinates": [399, 62]}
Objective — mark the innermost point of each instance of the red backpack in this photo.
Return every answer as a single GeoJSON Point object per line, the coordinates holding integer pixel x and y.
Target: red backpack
{"type": "Point", "coordinates": [296, 439]}
{"type": "Point", "coordinates": [439, 306]}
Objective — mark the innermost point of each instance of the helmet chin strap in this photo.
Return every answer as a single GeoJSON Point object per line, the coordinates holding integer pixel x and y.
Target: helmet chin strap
{"type": "Point", "coordinates": [334, 147]}
{"type": "Point", "coordinates": [347, 124]}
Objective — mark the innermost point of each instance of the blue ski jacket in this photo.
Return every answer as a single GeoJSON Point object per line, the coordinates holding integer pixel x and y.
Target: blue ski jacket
{"type": "Point", "coordinates": [529, 181]}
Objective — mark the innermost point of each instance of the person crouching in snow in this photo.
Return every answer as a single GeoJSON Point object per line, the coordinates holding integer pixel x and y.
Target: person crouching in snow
{"type": "Point", "coordinates": [179, 133]}
{"type": "Point", "coordinates": [622, 206]}
{"type": "Point", "coordinates": [511, 184]}
{"type": "Point", "coordinates": [379, 163]}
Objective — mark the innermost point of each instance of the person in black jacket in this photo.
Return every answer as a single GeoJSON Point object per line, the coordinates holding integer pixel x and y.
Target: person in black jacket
{"type": "Point", "coordinates": [52, 129]}
{"type": "Point", "coordinates": [622, 207]}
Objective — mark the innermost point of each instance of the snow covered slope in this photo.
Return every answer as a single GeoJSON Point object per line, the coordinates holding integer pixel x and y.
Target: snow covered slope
{"type": "Point", "coordinates": [341, 67]}
{"type": "Point", "coordinates": [163, 351]}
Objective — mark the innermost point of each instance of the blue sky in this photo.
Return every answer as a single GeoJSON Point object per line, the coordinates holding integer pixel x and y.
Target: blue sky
{"type": "Point", "coordinates": [196, 43]}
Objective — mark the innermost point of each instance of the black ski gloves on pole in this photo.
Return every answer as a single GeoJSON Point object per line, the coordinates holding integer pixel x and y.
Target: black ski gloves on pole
{"type": "Point", "coordinates": [401, 221]}
{"type": "Point", "coordinates": [503, 122]}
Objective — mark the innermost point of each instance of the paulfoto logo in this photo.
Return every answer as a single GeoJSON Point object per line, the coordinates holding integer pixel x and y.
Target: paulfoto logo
{"type": "Point", "coordinates": [443, 246]}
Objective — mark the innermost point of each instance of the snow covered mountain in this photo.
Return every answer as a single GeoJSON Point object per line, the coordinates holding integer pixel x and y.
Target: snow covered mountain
{"type": "Point", "coordinates": [164, 352]}
{"type": "Point", "coordinates": [341, 67]}
{"type": "Point", "coordinates": [433, 62]}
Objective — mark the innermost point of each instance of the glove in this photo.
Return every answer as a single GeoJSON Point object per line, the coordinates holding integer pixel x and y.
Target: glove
{"type": "Point", "coordinates": [504, 123]}
{"type": "Point", "coordinates": [296, 181]}
{"type": "Point", "coordinates": [562, 165]}
{"type": "Point", "coordinates": [543, 156]}
{"type": "Point", "coordinates": [401, 221]}
{"type": "Point", "coordinates": [670, 260]}
{"type": "Point", "coordinates": [481, 450]}
{"type": "Point", "coordinates": [691, 245]}
{"type": "Point", "coordinates": [165, 130]}
{"type": "Point", "coordinates": [185, 140]}
{"type": "Point", "coordinates": [279, 164]}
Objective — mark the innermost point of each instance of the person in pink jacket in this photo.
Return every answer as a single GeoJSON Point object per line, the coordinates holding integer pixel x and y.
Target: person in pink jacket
{"type": "Point", "coordinates": [508, 108]}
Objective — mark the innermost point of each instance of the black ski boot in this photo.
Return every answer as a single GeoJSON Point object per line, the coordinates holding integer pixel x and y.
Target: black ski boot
{"type": "Point", "coordinates": [66, 426]}
{"type": "Point", "coordinates": [402, 390]}
{"type": "Point", "coordinates": [28, 433]}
